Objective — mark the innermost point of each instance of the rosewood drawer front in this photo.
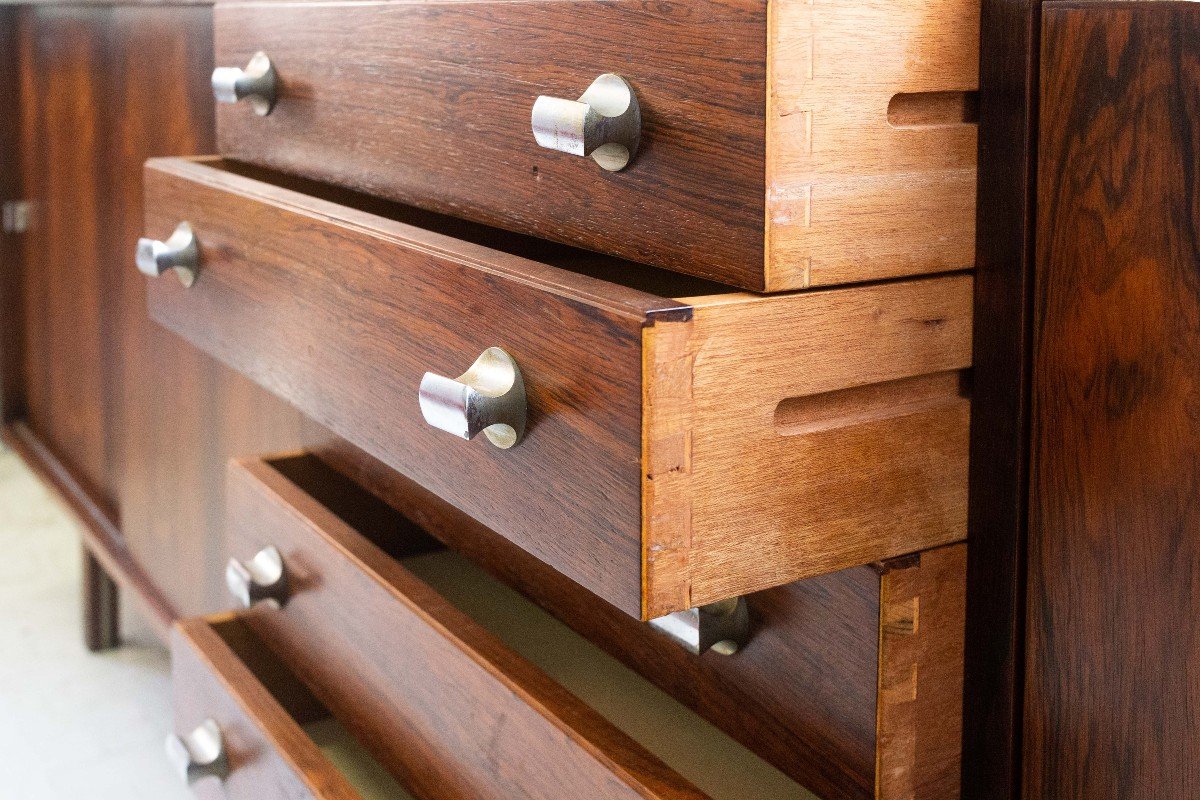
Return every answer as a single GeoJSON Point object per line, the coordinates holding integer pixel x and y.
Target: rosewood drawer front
{"type": "Point", "coordinates": [678, 450]}
{"type": "Point", "coordinates": [783, 144]}
{"type": "Point", "coordinates": [263, 752]}
{"type": "Point", "coordinates": [439, 701]}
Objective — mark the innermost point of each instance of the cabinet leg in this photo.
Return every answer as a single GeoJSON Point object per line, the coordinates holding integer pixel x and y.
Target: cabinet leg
{"type": "Point", "coordinates": [101, 615]}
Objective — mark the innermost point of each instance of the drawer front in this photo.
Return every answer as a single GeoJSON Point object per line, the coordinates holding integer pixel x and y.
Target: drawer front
{"type": "Point", "coordinates": [677, 452]}
{"type": "Point", "coordinates": [269, 756]}
{"type": "Point", "coordinates": [783, 145]}
{"type": "Point", "coordinates": [439, 701]}
{"type": "Point", "coordinates": [430, 103]}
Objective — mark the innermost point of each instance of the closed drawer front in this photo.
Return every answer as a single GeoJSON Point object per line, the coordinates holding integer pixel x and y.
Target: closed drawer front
{"type": "Point", "coordinates": [238, 718]}
{"type": "Point", "coordinates": [441, 702]}
{"type": "Point", "coordinates": [678, 450]}
{"type": "Point", "coordinates": [782, 144]}
{"type": "Point", "coordinates": [869, 708]}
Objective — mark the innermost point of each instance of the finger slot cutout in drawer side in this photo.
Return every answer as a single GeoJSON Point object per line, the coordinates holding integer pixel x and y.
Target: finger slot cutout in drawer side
{"type": "Point", "coordinates": [792, 436]}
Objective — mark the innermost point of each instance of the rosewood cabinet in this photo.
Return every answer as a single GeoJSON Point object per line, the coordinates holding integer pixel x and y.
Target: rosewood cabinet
{"type": "Point", "coordinates": [838, 418]}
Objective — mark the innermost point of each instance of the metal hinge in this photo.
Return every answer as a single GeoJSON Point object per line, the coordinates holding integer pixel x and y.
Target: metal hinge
{"type": "Point", "coordinates": [17, 216]}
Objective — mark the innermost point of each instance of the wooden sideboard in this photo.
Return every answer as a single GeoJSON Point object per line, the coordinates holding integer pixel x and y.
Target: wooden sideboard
{"type": "Point", "coordinates": [914, 621]}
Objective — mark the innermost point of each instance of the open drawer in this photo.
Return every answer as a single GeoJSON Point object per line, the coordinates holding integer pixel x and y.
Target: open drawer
{"type": "Point", "coordinates": [445, 704]}
{"type": "Point", "coordinates": [248, 730]}
{"type": "Point", "coordinates": [850, 683]}
{"type": "Point", "coordinates": [683, 443]}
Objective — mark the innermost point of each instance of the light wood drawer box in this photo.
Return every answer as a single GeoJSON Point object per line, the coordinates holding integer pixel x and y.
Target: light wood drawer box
{"type": "Point", "coordinates": [224, 676]}
{"type": "Point", "coordinates": [680, 449]}
{"type": "Point", "coordinates": [784, 143]}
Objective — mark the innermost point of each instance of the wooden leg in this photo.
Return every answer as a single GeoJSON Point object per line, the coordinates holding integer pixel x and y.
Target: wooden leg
{"type": "Point", "coordinates": [101, 609]}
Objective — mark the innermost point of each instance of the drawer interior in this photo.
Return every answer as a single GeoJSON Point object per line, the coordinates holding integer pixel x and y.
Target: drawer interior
{"type": "Point", "coordinates": [693, 747]}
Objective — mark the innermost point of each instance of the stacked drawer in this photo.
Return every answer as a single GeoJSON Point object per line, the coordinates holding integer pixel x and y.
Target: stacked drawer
{"type": "Point", "coordinates": [719, 463]}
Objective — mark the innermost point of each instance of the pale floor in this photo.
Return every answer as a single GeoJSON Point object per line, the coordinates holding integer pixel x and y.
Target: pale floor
{"type": "Point", "coordinates": [73, 725]}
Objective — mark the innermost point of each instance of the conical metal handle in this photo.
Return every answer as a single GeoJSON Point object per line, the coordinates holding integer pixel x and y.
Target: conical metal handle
{"type": "Point", "coordinates": [604, 123]}
{"type": "Point", "coordinates": [263, 577]}
{"type": "Point", "coordinates": [488, 397]}
{"type": "Point", "coordinates": [256, 84]}
{"type": "Point", "coordinates": [722, 627]}
{"type": "Point", "coordinates": [199, 754]}
{"type": "Point", "coordinates": [181, 253]}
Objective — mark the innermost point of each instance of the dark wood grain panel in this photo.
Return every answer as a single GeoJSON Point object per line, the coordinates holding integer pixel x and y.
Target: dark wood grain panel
{"type": "Point", "coordinates": [999, 399]}
{"type": "Point", "coordinates": [341, 313]}
{"type": "Point", "coordinates": [11, 329]}
{"type": "Point", "coordinates": [64, 87]}
{"type": "Point", "coordinates": [818, 725]}
{"type": "Point", "coordinates": [440, 116]}
{"type": "Point", "coordinates": [438, 700]}
{"type": "Point", "coordinates": [1112, 682]}
{"type": "Point", "coordinates": [270, 756]}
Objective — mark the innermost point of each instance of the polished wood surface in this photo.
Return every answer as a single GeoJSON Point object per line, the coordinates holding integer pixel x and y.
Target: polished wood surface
{"type": "Point", "coordinates": [614, 375]}
{"type": "Point", "coordinates": [819, 725]}
{"type": "Point", "coordinates": [1114, 543]}
{"type": "Point", "coordinates": [156, 419]}
{"type": "Point", "coordinates": [854, 191]}
{"type": "Point", "coordinates": [440, 117]}
{"type": "Point", "coordinates": [341, 313]}
{"type": "Point", "coordinates": [11, 332]}
{"type": "Point", "coordinates": [999, 457]}
{"type": "Point", "coordinates": [438, 700]}
{"type": "Point", "coordinates": [270, 755]}
{"type": "Point", "coordinates": [67, 359]}
{"type": "Point", "coordinates": [768, 158]}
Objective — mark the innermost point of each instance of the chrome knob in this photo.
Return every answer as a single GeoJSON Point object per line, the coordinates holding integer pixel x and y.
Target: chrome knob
{"type": "Point", "coordinates": [256, 83]}
{"type": "Point", "coordinates": [604, 123]}
{"type": "Point", "coordinates": [488, 397]}
{"type": "Point", "coordinates": [721, 627]}
{"type": "Point", "coordinates": [181, 253]}
{"type": "Point", "coordinates": [261, 578]}
{"type": "Point", "coordinates": [199, 754]}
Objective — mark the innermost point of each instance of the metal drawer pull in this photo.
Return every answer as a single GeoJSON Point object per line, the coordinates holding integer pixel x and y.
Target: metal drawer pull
{"type": "Point", "coordinates": [605, 123]}
{"type": "Point", "coordinates": [199, 754]}
{"type": "Point", "coordinates": [721, 627]}
{"type": "Point", "coordinates": [181, 253]}
{"type": "Point", "coordinates": [488, 397]}
{"type": "Point", "coordinates": [261, 578]}
{"type": "Point", "coordinates": [255, 83]}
